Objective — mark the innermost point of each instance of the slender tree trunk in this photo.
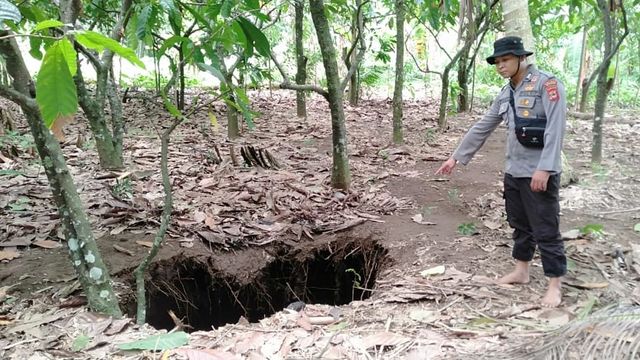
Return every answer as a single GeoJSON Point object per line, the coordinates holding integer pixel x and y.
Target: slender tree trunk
{"type": "Point", "coordinates": [181, 83]}
{"type": "Point", "coordinates": [354, 83]}
{"type": "Point", "coordinates": [444, 98]}
{"type": "Point", "coordinates": [340, 175]}
{"type": "Point", "coordinates": [106, 145]}
{"type": "Point", "coordinates": [582, 73]}
{"type": "Point", "coordinates": [399, 81]}
{"type": "Point", "coordinates": [301, 60]}
{"type": "Point", "coordinates": [108, 141]}
{"type": "Point", "coordinates": [602, 90]}
{"type": "Point", "coordinates": [463, 82]}
{"type": "Point", "coordinates": [85, 256]}
{"type": "Point", "coordinates": [233, 127]}
{"type": "Point", "coordinates": [165, 221]}
{"type": "Point", "coordinates": [517, 22]}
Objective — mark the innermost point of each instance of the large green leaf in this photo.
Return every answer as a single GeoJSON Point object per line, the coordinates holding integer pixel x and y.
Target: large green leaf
{"type": "Point", "coordinates": [158, 342]}
{"type": "Point", "coordinates": [196, 15]}
{"type": "Point", "coordinates": [170, 42]}
{"type": "Point", "coordinates": [8, 11]}
{"type": "Point", "coordinates": [143, 22]}
{"type": "Point", "coordinates": [70, 55]}
{"type": "Point", "coordinates": [99, 42]}
{"type": "Point", "coordinates": [55, 91]}
{"type": "Point", "coordinates": [242, 38]}
{"type": "Point", "coordinates": [212, 70]}
{"type": "Point", "coordinates": [256, 37]}
{"type": "Point", "coordinates": [243, 102]}
{"type": "Point", "coordinates": [47, 24]}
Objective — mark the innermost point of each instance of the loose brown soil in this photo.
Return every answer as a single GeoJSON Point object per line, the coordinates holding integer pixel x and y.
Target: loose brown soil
{"type": "Point", "coordinates": [246, 242]}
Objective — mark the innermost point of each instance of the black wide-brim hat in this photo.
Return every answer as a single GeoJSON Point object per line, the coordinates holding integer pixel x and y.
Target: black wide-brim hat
{"type": "Point", "coordinates": [508, 45]}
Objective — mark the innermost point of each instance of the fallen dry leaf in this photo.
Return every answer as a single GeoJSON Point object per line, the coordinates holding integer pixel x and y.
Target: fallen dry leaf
{"type": "Point", "coordinates": [436, 270]}
{"type": "Point", "coordinates": [148, 244]}
{"type": "Point", "coordinates": [47, 244]}
{"type": "Point", "coordinates": [8, 254]}
{"type": "Point", "coordinates": [123, 250]}
{"type": "Point", "coordinates": [384, 338]}
{"type": "Point", "coordinates": [418, 219]}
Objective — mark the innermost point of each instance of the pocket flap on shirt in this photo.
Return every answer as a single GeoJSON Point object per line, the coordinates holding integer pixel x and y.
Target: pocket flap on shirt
{"type": "Point", "coordinates": [526, 102]}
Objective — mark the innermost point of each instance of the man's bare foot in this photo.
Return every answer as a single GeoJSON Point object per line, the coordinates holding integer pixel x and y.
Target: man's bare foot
{"type": "Point", "coordinates": [553, 296]}
{"type": "Point", "coordinates": [519, 275]}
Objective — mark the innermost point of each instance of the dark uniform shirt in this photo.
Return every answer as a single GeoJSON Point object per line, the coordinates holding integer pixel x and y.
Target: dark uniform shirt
{"type": "Point", "coordinates": [539, 94]}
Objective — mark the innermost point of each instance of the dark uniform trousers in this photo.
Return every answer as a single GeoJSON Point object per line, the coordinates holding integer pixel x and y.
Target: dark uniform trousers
{"type": "Point", "coordinates": [535, 218]}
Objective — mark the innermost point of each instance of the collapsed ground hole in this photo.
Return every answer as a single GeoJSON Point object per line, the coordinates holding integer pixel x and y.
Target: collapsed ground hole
{"type": "Point", "coordinates": [205, 298]}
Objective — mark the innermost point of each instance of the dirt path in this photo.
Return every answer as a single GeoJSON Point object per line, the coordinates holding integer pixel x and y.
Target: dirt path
{"type": "Point", "coordinates": [425, 282]}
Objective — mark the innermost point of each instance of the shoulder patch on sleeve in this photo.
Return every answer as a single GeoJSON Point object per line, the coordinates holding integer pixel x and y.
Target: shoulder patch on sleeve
{"type": "Point", "coordinates": [551, 86]}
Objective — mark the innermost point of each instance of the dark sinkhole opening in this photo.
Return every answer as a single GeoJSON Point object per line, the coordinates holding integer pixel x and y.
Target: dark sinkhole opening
{"type": "Point", "coordinates": [205, 298]}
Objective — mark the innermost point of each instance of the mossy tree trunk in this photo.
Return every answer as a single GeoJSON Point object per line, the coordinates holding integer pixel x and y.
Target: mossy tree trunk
{"type": "Point", "coordinates": [85, 256]}
{"type": "Point", "coordinates": [108, 141]}
{"type": "Point", "coordinates": [399, 80]}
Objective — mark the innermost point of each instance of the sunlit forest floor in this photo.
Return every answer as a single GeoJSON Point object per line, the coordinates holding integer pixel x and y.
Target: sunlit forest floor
{"type": "Point", "coordinates": [400, 266]}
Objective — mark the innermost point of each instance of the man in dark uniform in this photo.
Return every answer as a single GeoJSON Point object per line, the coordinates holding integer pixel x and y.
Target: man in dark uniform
{"type": "Point", "coordinates": [533, 107]}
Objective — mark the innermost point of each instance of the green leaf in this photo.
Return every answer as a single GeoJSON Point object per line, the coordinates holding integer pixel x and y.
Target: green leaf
{"type": "Point", "coordinates": [243, 102]}
{"type": "Point", "coordinates": [212, 70]}
{"type": "Point", "coordinates": [8, 11]}
{"type": "Point", "coordinates": [593, 229]}
{"type": "Point", "coordinates": [242, 38]}
{"type": "Point", "coordinates": [55, 91]}
{"type": "Point", "coordinates": [168, 5]}
{"type": "Point", "coordinates": [35, 43]}
{"type": "Point", "coordinates": [80, 343]}
{"type": "Point", "coordinates": [143, 22]}
{"type": "Point", "coordinates": [158, 342]}
{"type": "Point", "coordinates": [170, 42]}
{"type": "Point", "coordinates": [252, 4]}
{"type": "Point", "coordinates": [256, 37]}
{"type": "Point", "coordinates": [636, 227]}
{"type": "Point", "coordinates": [47, 24]}
{"type": "Point", "coordinates": [196, 15]}
{"type": "Point", "coordinates": [172, 109]}
{"type": "Point", "coordinates": [70, 55]}
{"type": "Point", "coordinates": [99, 42]}
{"type": "Point", "coordinates": [225, 10]}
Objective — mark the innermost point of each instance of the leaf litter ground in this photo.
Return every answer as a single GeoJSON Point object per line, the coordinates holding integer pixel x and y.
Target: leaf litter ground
{"type": "Point", "coordinates": [445, 239]}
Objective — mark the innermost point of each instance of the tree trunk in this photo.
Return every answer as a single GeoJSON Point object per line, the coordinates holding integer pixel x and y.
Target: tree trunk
{"type": "Point", "coordinates": [463, 82]}
{"type": "Point", "coordinates": [354, 83]}
{"type": "Point", "coordinates": [233, 128]}
{"type": "Point", "coordinates": [602, 90]}
{"type": "Point", "coordinates": [444, 97]}
{"type": "Point", "coordinates": [517, 22]}
{"type": "Point", "coordinates": [340, 175]}
{"type": "Point", "coordinates": [399, 81]}
{"type": "Point", "coordinates": [583, 70]}
{"type": "Point", "coordinates": [108, 142]}
{"type": "Point", "coordinates": [106, 145]}
{"type": "Point", "coordinates": [85, 256]}
{"type": "Point", "coordinates": [301, 60]}
{"type": "Point", "coordinates": [181, 84]}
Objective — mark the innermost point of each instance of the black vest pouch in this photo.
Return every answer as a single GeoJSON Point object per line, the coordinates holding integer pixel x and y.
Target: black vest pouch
{"type": "Point", "coordinates": [529, 131]}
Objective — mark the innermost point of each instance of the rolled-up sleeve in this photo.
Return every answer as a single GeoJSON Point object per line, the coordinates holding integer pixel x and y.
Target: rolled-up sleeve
{"type": "Point", "coordinates": [555, 107]}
